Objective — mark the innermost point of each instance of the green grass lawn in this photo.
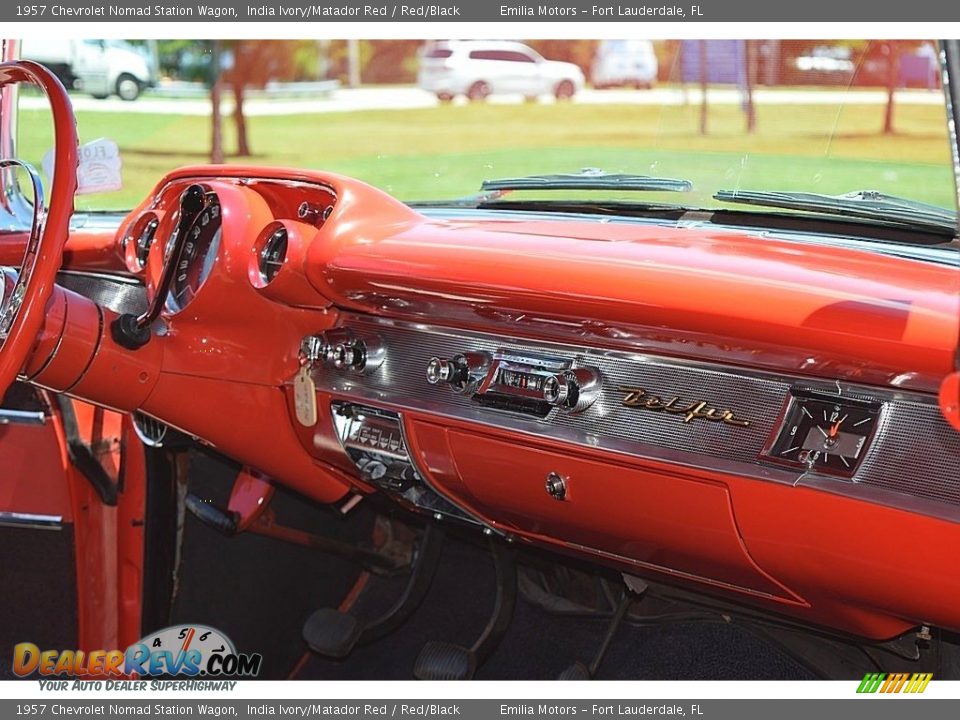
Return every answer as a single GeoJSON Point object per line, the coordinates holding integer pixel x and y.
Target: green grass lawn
{"type": "Point", "coordinates": [445, 152]}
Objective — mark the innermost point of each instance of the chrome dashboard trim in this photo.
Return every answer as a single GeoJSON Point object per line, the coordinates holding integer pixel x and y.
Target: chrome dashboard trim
{"type": "Point", "coordinates": [30, 521]}
{"type": "Point", "coordinates": [400, 384]}
{"type": "Point", "coordinates": [21, 417]}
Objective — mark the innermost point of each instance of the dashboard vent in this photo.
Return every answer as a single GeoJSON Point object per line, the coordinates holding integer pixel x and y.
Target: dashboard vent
{"type": "Point", "coordinates": [151, 432]}
{"type": "Point", "coordinates": [273, 254]}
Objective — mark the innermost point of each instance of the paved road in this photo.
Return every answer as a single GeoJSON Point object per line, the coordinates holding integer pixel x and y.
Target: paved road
{"type": "Point", "coordinates": [393, 98]}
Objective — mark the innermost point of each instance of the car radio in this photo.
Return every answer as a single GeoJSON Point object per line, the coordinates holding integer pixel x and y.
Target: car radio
{"type": "Point", "coordinates": [522, 383]}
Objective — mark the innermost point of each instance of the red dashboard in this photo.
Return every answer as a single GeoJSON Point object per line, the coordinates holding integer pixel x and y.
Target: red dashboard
{"type": "Point", "coordinates": [618, 391]}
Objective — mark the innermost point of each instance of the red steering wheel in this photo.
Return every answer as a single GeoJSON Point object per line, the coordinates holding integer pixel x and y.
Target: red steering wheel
{"type": "Point", "coordinates": [24, 294]}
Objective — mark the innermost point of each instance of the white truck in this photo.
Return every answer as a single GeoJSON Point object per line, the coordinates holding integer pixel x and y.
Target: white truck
{"type": "Point", "coordinates": [99, 67]}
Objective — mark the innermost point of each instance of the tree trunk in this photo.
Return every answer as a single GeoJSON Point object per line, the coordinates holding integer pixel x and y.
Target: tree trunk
{"type": "Point", "coordinates": [893, 70]}
{"type": "Point", "coordinates": [243, 146]}
{"type": "Point", "coordinates": [216, 125]}
{"type": "Point", "coordinates": [703, 87]}
{"type": "Point", "coordinates": [750, 61]}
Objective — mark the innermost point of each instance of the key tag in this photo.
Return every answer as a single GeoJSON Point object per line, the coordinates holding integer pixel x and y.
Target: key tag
{"type": "Point", "coordinates": [305, 397]}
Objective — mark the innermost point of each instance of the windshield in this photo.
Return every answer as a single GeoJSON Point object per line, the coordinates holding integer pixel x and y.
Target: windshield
{"type": "Point", "coordinates": [431, 121]}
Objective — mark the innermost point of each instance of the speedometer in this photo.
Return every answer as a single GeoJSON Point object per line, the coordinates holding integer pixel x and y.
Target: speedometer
{"type": "Point", "coordinates": [197, 258]}
{"type": "Point", "coordinates": [825, 433]}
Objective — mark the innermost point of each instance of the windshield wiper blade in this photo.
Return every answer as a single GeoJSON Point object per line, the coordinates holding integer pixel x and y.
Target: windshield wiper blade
{"type": "Point", "coordinates": [866, 204]}
{"type": "Point", "coordinates": [589, 179]}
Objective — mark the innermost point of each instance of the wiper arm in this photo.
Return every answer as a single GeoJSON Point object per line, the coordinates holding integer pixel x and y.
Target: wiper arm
{"type": "Point", "coordinates": [867, 204]}
{"type": "Point", "coordinates": [589, 179]}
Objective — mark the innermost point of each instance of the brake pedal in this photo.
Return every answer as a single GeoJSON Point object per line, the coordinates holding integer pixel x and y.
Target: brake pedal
{"type": "Point", "coordinates": [335, 634]}
{"type": "Point", "coordinates": [446, 661]}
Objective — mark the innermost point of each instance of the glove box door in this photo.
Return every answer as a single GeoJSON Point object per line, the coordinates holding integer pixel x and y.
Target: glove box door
{"type": "Point", "coordinates": [642, 517]}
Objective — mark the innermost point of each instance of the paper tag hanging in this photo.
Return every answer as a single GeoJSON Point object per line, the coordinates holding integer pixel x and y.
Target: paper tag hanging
{"type": "Point", "coordinates": [99, 168]}
{"type": "Point", "coordinates": [305, 397]}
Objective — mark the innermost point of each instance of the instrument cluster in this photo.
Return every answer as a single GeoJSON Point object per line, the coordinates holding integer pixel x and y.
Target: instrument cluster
{"type": "Point", "coordinates": [273, 224]}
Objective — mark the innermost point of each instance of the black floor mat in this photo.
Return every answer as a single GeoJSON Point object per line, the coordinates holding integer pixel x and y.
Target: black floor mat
{"type": "Point", "coordinates": [541, 645]}
{"type": "Point", "coordinates": [259, 590]}
{"type": "Point", "coordinates": [38, 603]}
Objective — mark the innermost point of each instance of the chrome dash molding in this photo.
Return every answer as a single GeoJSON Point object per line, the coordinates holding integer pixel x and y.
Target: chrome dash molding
{"type": "Point", "coordinates": [912, 464]}
{"type": "Point", "coordinates": [29, 521]}
{"type": "Point", "coordinates": [21, 417]}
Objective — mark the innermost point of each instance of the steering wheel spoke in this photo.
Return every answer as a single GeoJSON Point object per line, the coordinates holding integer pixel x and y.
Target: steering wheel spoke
{"type": "Point", "coordinates": [24, 293]}
{"type": "Point", "coordinates": [11, 299]}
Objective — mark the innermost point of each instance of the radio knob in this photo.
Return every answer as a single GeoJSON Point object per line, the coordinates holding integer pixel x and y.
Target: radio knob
{"type": "Point", "coordinates": [440, 370]}
{"type": "Point", "coordinates": [573, 390]}
{"type": "Point", "coordinates": [461, 372]}
{"type": "Point", "coordinates": [556, 390]}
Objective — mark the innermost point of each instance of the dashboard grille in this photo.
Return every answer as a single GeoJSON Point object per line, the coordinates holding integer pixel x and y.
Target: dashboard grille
{"type": "Point", "coordinates": [915, 452]}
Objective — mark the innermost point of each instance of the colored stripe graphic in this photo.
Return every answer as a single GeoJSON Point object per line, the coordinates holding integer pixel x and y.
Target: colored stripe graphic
{"type": "Point", "coordinates": [871, 682]}
{"type": "Point", "coordinates": [894, 683]}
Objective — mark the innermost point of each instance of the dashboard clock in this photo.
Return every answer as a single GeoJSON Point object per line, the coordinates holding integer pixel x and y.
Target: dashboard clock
{"type": "Point", "coordinates": [823, 433]}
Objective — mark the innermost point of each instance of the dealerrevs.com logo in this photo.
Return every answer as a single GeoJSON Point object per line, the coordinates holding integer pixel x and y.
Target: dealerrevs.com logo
{"type": "Point", "coordinates": [182, 650]}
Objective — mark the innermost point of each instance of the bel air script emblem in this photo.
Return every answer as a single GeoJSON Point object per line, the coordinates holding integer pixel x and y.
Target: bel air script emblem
{"type": "Point", "coordinates": [639, 398]}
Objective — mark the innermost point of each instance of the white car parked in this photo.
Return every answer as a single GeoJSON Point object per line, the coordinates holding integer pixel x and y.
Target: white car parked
{"type": "Point", "coordinates": [478, 69]}
{"type": "Point", "coordinates": [624, 63]}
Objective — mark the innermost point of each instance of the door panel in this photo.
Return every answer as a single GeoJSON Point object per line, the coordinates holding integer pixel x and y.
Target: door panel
{"type": "Point", "coordinates": [32, 461]}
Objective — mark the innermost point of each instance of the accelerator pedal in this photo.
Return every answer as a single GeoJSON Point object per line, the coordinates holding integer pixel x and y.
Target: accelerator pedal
{"type": "Point", "coordinates": [580, 670]}
{"type": "Point", "coordinates": [335, 634]}
{"type": "Point", "coordinates": [446, 661]}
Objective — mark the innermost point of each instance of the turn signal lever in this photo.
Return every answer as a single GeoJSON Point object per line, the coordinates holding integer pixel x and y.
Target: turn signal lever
{"type": "Point", "coordinates": [133, 332]}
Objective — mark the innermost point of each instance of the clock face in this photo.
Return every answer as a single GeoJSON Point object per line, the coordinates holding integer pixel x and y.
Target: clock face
{"type": "Point", "coordinates": [825, 434]}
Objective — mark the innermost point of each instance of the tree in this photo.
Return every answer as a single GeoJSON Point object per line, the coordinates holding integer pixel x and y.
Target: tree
{"type": "Point", "coordinates": [892, 51]}
{"type": "Point", "coordinates": [750, 79]}
{"type": "Point", "coordinates": [704, 72]}
{"type": "Point", "coordinates": [216, 127]}
{"type": "Point", "coordinates": [254, 63]}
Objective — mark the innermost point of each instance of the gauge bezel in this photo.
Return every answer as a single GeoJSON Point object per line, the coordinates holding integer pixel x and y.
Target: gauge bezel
{"type": "Point", "coordinates": [799, 395]}
{"type": "Point", "coordinates": [135, 261]}
{"type": "Point", "coordinates": [256, 274]}
{"type": "Point", "coordinates": [172, 305]}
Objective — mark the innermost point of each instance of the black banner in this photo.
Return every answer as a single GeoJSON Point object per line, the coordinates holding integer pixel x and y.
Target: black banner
{"type": "Point", "coordinates": [301, 11]}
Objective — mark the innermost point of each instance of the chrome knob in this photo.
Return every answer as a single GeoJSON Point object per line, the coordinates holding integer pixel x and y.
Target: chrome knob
{"type": "Point", "coordinates": [556, 486]}
{"type": "Point", "coordinates": [439, 371]}
{"type": "Point", "coordinates": [461, 372]}
{"type": "Point", "coordinates": [556, 389]}
{"type": "Point", "coordinates": [342, 350]}
{"type": "Point", "coordinates": [350, 356]}
{"type": "Point", "coordinates": [573, 390]}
